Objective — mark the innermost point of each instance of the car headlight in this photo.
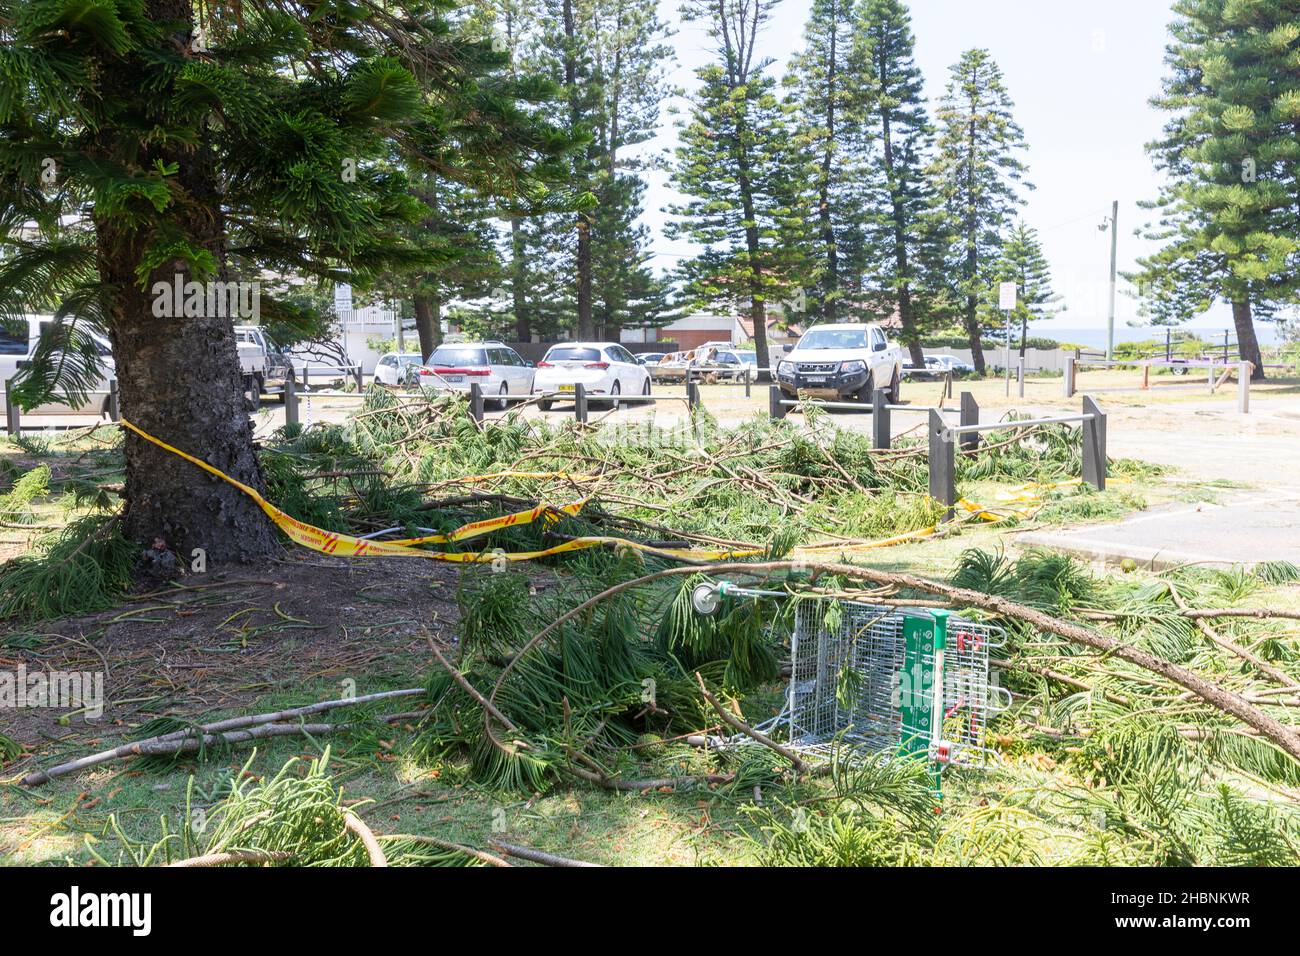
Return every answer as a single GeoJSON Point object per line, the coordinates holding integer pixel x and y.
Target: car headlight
{"type": "Point", "coordinates": [785, 368]}
{"type": "Point", "coordinates": [850, 368]}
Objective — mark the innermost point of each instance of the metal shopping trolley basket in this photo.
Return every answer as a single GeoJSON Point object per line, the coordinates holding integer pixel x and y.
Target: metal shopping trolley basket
{"type": "Point", "coordinates": [882, 679]}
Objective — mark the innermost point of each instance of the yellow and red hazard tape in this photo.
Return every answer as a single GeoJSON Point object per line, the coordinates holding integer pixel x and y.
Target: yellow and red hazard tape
{"type": "Point", "coordinates": [349, 546]}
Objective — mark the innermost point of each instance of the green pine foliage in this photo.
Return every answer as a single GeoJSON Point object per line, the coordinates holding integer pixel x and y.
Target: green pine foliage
{"type": "Point", "coordinates": [1228, 220]}
{"type": "Point", "coordinates": [745, 177]}
{"type": "Point", "coordinates": [1021, 261]}
{"type": "Point", "coordinates": [978, 175]}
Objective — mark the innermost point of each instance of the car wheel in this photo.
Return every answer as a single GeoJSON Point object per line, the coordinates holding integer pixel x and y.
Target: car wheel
{"type": "Point", "coordinates": [646, 389]}
{"type": "Point", "coordinates": [252, 393]}
{"type": "Point", "coordinates": [896, 388]}
{"type": "Point", "coordinates": [544, 404]}
{"type": "Point", "coordinates": [501, 403]}
{"type": "Point", "coordinates": [864, 393]}
{"type": "Point", "coordinates": [614, 392]}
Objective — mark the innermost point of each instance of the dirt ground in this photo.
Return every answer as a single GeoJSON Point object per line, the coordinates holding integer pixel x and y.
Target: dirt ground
{"type": "Point", "coordinates": [223, 640]}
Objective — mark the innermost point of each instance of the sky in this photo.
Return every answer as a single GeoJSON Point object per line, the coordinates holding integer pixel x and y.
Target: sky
{"type": "Point", "coordinates": [1081, 75]}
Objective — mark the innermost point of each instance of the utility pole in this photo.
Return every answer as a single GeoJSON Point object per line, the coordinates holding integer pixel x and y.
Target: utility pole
{"type": "Point", "coordinates": [1113, 224]}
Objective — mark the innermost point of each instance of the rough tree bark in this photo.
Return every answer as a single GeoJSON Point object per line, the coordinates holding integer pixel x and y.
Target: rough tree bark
{"type": "Point", "coordinates": [1247, 341]}
{"type": "Point", "coordinates": [523, 328]}
{"type": "Point", "coordinates": [428, 323]}
{"type": "Point", "coordinates": [179, 377]}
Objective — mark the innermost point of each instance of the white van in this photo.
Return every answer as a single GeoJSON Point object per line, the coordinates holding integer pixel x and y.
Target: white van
{"type": "Point", "coordinates": [15, 351]}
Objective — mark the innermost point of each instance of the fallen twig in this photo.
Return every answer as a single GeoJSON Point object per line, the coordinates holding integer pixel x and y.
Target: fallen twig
{"type": "Point", "coordinates": [357, 827]}
{"type": "Point", "coordinates": [736, 723]}
{"type": "Point", "coordinates": [537, 856]}
{"type": "Point", "coordinates": [216, 732]}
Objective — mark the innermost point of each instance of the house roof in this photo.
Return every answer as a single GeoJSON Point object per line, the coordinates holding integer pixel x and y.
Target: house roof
{"type": "Point", "coordinates": [748, 326]}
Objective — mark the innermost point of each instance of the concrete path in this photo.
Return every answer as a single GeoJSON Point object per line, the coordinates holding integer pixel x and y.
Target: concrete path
{"type": "Point", "coordinates": [1246, 528]}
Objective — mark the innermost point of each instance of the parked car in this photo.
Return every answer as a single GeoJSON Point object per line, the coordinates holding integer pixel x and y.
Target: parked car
{"type": "Point", "coordinates": [497, 368]}
{"type": "Point", "coordinates": [17, 349]}
{"type": "Point", "coordinates": [263, 363]}
{"type": "Point", "coordinates": [650, 358]}
{"type": "Point", "coordinates": [391, 368]}
{"type": "Point", "coordinates": [938, 365]}
{"type": "Point", "coordinates": [603, 368]}
{"type": "Point", "coordinates": [842, 363]}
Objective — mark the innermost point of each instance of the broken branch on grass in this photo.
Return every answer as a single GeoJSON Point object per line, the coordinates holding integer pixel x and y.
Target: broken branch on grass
{"type": "Point", "coordinates": [1286, 737]}
{"type": "Point", "coordinates": [1261, 665]}
{"type": "Point", "coordinates": [537, 856]}
{"type": "Point", "coordinates": [356, 826]}
{"type": "Point", "coordinates": [482, 855]}
{"type": "Point", "coordinates": [736, 723]}
{"type": "Point", "coordinates": [237, 856]}
{"type": "Point", "coordinates": [218, 728]}
{"type": "Point", "coordinates": [159, 747]}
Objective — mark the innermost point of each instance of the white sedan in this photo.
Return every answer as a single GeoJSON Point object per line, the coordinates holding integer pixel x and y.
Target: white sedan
{"type": "Point", "coordinates": [604, 369]}
{"type": "Point", "coordinates": [391, 369]}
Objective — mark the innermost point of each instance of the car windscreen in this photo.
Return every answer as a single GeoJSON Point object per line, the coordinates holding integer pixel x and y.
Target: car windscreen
{"type": "Point", "coordinates": [834, 339]}
{"type": "Point", "coordinates": [749, 358]}
{"type": "Point", "coordinates": [458, 358]}
{"type": "Point", "coordinates": [571, 354]}
{"type": "Point", "coordinates": [13, 338]}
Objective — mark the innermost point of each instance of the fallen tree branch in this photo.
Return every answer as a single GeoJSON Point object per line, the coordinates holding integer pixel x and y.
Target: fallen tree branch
{"type": "Point", "coordinates": [1261, 665]}
{"type": "Point", "coordinates": [537, 856]}
{"type": "Point", "coordinates": [1286, 737]}
{"type": "Point", "coordinates": [489, 858]}
{"type": "Point", "coordinates": [156, 747]}
{"type": "Point", "coordinates": [237, 856]}
{"type": "Point", "coordinates": [358, 828]}
{"type": "Point", "coordinates": [490, 711]}
{"type": "Point", "coordinates": [736, 723]}
{"type": "Point", "coordinates": [1262, 613]}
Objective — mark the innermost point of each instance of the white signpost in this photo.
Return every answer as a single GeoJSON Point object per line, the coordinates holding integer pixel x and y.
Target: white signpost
{"type": "Point", "coordinates": [1007, 297]}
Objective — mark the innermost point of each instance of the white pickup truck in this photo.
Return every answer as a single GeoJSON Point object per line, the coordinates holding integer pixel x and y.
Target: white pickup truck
{"type": "Point", "coordinates": [842, 363]}
{"type": "Point", "coordinates": [263, 364]}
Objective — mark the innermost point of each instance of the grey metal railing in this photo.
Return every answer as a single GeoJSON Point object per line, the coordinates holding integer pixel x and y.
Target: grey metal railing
{"type": "Point", "coordinates": [944, 439]}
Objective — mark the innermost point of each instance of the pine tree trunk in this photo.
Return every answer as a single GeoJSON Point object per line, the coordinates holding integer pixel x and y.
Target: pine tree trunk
{"type": "Point", "coordinates": [911, 335]}
{"type": "Point", "coordinates": [180, 381]}
{"type": "Point", "coordinates": [831, 283]}
{"type": "Point", "coordinates": [757, 299]}
{"type": "Point", "coordinates": [523, 331]}
{"type": "Point", "coordinates": [1247, 341]}
{"type": "Point", "coordinates": [428, 323]}
{"type": "Point", "coordinates": [586, 322]}
{"type": "Point", "coordinates": [179, 378]}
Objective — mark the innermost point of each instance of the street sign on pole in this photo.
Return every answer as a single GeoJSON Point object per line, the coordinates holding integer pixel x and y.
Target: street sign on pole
{"type": "Point", "coordinates": [1007, 292]}
{"type": "Point", "coordinates": [1007, 297]}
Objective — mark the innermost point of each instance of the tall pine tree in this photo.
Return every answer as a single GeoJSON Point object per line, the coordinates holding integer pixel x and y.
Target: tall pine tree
{"type": "Point", "coordinates": [1230, 215]}
{"type": "Point", "coordinates": [827, 78]}
{"type": "Point", "coordinates": [215, 147]}
{"type": "Point", "coordinates": [903, 222]}
{"type": "Point", "coordinates": [977, 173]}
{"type": "Point", "coordinates": [743, 174]}
{"type": "Point", "coordinates": [1022, 261]}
